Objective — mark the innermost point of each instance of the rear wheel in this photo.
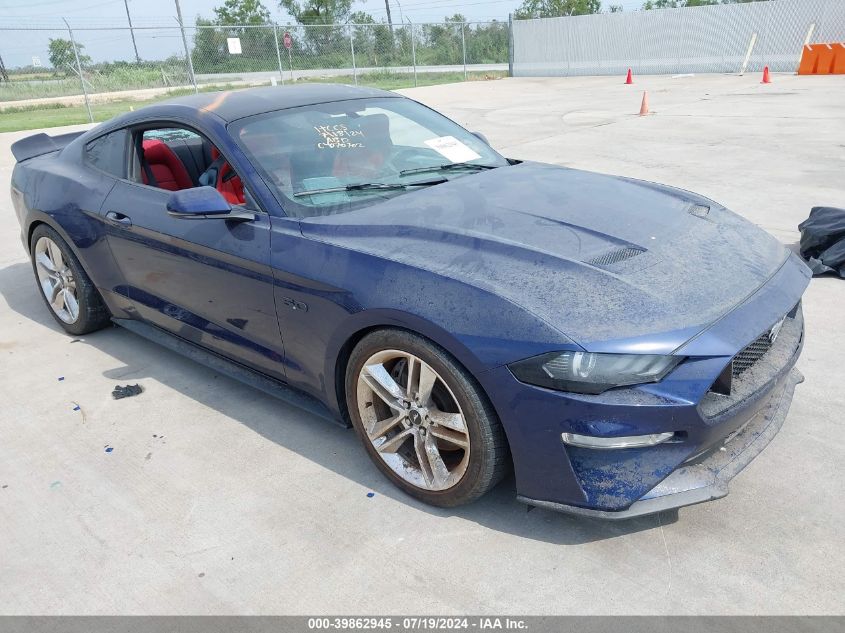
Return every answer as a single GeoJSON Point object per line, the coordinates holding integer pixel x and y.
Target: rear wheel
{"type": "Point", "coordinates": [68, 292]}
{"type": "Point", "coordinates": [423, 420]}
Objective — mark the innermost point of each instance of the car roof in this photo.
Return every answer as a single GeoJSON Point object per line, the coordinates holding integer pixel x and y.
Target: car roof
{"type": "Point", "coordinates": [237, 104]}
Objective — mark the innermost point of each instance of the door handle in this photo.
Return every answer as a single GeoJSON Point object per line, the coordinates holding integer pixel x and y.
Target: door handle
{"type": "Point", "coordinates": [116, 217]}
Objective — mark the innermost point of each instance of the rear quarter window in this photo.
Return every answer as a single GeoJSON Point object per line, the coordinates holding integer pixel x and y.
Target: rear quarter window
{"type": "Point", "coordinates": [108, 153]}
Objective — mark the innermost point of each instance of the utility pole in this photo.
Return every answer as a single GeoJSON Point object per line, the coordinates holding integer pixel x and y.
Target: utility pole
{"type": "Point", "coordinates": [78, 70]}
{"type": "Point", "coordinates": [132, 31]}
{"type": "Point", "coordinates": [185, 44]}
{"type": "Point", "coordinates": [389, 21]}
{"type": "Point", "coordinates": [413, 52]}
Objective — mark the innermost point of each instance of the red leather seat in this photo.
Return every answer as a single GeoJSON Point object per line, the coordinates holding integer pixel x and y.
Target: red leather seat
{"type": "Point", "coordinates": [168, 170]}
{"type": "Point", "coordinates": [229, 185]}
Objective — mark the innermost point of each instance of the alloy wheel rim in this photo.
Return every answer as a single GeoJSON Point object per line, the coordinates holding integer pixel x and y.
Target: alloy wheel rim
{"type": "Point", "coordinates": [413, 420]}
{"type": "Point", "coordinates": [56, 280]}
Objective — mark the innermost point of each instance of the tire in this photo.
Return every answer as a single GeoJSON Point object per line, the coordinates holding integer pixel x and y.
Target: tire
{"type": "Point", "coordinates": [447, 448]}
{"type": "Point", "coordinates": [58, 271]}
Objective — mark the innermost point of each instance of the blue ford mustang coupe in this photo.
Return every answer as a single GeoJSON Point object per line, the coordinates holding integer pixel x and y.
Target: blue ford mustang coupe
{"type": "Point", "coordinates": [626, 347]}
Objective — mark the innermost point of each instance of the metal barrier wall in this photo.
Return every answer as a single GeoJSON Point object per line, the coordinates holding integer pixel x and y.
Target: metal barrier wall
{"type": "Point", "coordinates": [728, 38]}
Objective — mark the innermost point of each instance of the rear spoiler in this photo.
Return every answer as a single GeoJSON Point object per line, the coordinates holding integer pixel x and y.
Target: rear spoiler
{"type": "Point", "coordinates": [39, 144]}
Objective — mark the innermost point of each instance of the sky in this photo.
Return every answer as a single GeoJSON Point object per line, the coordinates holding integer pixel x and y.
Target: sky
{"type": "Point", "coordinates": [18, 47]}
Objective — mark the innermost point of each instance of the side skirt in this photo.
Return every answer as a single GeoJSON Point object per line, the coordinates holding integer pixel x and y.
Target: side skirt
{"type": "Point", "coordinates": [230, 368]}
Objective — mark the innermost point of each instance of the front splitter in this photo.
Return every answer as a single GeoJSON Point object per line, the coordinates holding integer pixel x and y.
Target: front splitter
{"type": "Point", "coordinates": [707, 479]}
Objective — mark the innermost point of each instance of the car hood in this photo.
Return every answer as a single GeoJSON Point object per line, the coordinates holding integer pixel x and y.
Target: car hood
{"type": "Point", "coordinates": [599, 258]}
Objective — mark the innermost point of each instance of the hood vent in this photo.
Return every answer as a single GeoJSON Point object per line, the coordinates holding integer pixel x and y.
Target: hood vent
{"type": "Point", "coordinates": [698, 210]}
{"type": "Point", "coordinates": [615, 256]}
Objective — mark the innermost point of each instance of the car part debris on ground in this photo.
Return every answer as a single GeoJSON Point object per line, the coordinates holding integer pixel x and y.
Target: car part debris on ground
{"type": "Point", "coordinates": [823, 240]}
{"type": "Point", "coordinates": [126, 391]}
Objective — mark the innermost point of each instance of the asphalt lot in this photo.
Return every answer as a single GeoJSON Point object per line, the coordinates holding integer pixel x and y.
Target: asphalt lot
{"type": "Point", "coordinates": [219, 499]}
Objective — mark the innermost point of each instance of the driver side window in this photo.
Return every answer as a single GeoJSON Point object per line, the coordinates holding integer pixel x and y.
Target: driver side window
{"type": "Point", "coordinates": [176, 158]}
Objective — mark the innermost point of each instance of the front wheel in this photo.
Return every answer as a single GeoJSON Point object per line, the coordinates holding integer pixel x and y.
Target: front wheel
{"type": "Point", "coordinates": [423, 419]}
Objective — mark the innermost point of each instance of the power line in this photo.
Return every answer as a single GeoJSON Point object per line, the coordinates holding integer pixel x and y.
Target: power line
{"type": "Point", "coordinates": [36, 4]}
{"type": "Point", "coordinates": [75, 10]}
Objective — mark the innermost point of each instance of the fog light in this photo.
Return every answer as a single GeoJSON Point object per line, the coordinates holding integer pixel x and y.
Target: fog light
{"type": "Point", "coordinates": [632, 441]}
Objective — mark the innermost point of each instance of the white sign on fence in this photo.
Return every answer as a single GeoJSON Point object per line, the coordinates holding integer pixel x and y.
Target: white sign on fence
{"type": "Point", "coordinates": [36, 61]}
{"type": "Point", "coordinates": [234, 44]}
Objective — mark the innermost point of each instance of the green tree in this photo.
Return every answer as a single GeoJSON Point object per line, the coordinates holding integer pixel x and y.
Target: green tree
{"type": "Point", "coordinates": [442, 42]}
{"type": "Point", "coordinates": [242, 12]}
{"type": "Point", "coordinates": [233, 19]}
{"type": "Point", "coordinates": [62, 57]}
{"type": "Point", "coordinates": [210, 51]}
{"type": "Point", "coordinates": [318, 11]}
{"type": "Point", "coordinates": [675, 4]}
{"type": "Point", "coordinates": [321, 38]}
{"type": "Point", "coordinates": [555, 8]}
{"type": "Point", "coordinates": [361, 17]}
{"type": "Point", "coordinates": [487, 43]}
{"type": "Point", "coordinates": [256, 43]}
{"type": "Point", "coordinates": [364, 37]}
{"type": "Point", "coordinates": [374, 44]}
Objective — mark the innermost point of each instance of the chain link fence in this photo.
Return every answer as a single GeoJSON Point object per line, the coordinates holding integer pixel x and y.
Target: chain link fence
{"type": "Point", "coordinates": [731, 38]}
{"type": "Point", "coordinates": [94, 71]}
{"type": "Point", "coordinates": [372, 54]}
{"type": "Point", "coordinates": [103, 70]}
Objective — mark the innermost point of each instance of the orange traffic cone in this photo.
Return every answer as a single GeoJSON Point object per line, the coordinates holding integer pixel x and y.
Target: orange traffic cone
{"type": "Point", "coordinates": [630, 79]}
{"type": "Point", "coordinates": [644, 106]}
{"type": "Point", "coordinates": [766, 78]}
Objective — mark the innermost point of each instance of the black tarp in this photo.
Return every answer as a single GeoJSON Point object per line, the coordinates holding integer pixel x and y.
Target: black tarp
{"type": "Point", "coordinates": [823, 240]}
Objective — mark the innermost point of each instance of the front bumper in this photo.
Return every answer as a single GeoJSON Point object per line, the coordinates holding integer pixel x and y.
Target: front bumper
{"type": "Point", "coordinates": [706, 478]}
{"type": "Point", "coordinates": [690, 467]}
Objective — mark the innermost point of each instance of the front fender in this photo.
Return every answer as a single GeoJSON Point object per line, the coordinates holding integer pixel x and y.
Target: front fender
{"type": "Point", "coordinates": [350, 331]}
{"type": "Point", "coordinates": [388, 317]}
{"type": "Point", "coordinates": [328, 295]}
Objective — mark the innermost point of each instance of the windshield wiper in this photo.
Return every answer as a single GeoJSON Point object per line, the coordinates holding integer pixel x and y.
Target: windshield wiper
{"type": "Point", "coordinates": [447, 167]}
{"type": "Point", "coordinates": [370, 186]}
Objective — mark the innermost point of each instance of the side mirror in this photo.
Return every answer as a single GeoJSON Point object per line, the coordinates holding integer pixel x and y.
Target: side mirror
{"type": "Point", "coordinates": [202, 203]}
{"type": "Point", "coordinates": [481, 137]}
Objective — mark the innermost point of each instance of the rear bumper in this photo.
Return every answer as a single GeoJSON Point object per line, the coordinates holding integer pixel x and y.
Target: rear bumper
{"type": "Point", "coordinates": [20, 211]}
{"type": "Point", "coordinates": [707, 477]}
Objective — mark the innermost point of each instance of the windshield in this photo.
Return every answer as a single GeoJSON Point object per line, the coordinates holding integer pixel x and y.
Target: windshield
{"type": "Point", "coordinates": [334, 157]}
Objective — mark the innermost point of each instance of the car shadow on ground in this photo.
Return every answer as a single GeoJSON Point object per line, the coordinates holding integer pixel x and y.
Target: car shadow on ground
{"type": "Point", "coordinates": [317, 440]}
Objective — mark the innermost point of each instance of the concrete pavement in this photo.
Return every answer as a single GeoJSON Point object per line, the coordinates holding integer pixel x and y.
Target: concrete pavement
{"type": "Point", "coordinates": [219, 499]}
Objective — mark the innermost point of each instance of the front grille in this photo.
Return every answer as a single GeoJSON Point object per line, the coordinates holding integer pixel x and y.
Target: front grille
{"type": "Point", "coordinates": [750, 355]}
{"type": "Point", "coordinates": [615, 256]}
{"type": "Point", "coordinates": [768, 358]}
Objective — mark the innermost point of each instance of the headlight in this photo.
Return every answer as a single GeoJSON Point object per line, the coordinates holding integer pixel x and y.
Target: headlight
{"type": "Point", "coordinates": [585, 372]}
